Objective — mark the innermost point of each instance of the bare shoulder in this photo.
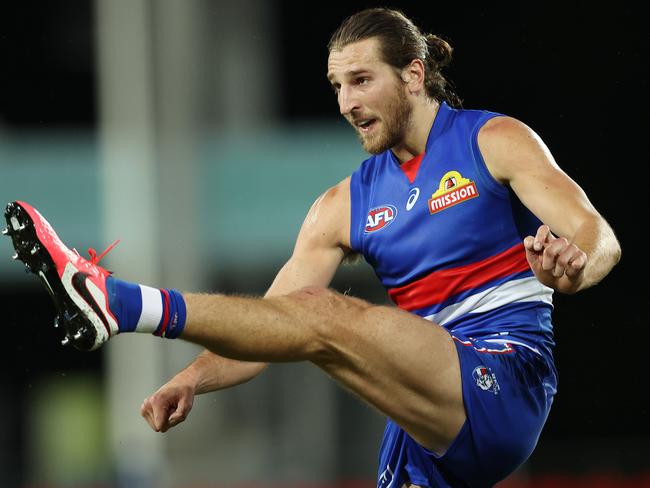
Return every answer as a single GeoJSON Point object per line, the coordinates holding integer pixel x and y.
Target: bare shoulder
{"type": "Point", "coordinates": [339, 194]}
{"type": "Point", "coordinates": [503, 128]}
{"type": "Point", "coordinates": [328, 220]}
{"type": "Point", "coordinates": [332, 203]}
{"type": "Point", "coordinates": [509, 147]}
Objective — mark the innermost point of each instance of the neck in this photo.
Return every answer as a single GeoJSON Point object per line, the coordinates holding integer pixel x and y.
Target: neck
{"type": "Point", "coordinates": [415, 140]}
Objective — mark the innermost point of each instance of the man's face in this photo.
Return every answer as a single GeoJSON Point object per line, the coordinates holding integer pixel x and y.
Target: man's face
{"type": "Point", "coordinates": [370, 94]}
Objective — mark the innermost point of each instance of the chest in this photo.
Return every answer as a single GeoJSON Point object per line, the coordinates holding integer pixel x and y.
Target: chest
{"type": "Point", "coordinates": [446, 213]}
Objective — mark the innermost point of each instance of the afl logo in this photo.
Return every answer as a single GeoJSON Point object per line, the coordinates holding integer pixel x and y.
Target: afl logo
{"type": "Point", "coordinates": [380, 217]}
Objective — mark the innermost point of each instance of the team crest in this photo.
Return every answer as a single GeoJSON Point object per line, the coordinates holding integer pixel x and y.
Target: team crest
{"type": "Point", "coordinates": [453, 189]}
{"type": "Point", "coordinates": [485, 379]}
{"type": "Point", "coordinates": [380, 217]}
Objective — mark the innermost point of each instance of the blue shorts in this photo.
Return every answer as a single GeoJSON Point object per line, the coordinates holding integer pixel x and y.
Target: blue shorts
{"type": "Point", "coordinates": [508, 390]}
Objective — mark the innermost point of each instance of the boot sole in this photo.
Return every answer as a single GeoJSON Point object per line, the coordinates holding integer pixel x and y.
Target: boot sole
{"type": "Point", "coordinates": [29, 249]}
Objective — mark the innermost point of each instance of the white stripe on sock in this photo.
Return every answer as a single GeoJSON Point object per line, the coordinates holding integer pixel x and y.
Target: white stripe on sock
{"type": "Point", "coordinates": [152, 309]}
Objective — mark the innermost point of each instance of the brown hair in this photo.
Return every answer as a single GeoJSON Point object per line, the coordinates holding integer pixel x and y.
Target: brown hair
{"type": "Point", "coordinates": [400, 43]}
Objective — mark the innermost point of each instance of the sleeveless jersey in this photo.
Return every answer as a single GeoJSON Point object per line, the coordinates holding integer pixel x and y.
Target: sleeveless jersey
{"type": "Point", "coordinates": [445, 238]}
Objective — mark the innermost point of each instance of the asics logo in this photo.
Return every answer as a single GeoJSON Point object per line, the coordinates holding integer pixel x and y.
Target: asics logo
{"type": "Point", "coordinates": [413, 197]}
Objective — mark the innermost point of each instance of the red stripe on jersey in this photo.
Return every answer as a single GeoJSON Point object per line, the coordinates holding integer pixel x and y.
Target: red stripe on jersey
{"type": "Point", "coordinates": [440, 285]}
{"type": "Point", "coordinates": [411, 167]}
{"type": "Point", "coordinates": [506, 348]}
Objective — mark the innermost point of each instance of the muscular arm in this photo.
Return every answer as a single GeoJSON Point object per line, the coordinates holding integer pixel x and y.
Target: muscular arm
{"type": "Point", "coordinates": [586, 248]}
{"type": "Point", "coordinates": [323, 241]}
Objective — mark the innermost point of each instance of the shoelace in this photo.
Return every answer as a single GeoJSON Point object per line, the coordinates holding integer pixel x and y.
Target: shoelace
{"type": "Point", "coordinates": [94, 258]}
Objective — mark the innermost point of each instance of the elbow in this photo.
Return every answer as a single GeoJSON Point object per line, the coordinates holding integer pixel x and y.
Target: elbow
{"type": "Point", "coordinates": [614, 249]}
{"type": "Point", "coordinates": [617, 253]}
{"type": "Point", "coordinates": [607, 255]}
{"type": "Point", "coordinates": [610, 246]}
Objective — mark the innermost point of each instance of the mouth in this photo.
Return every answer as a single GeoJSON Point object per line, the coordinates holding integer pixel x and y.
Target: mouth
{"type": "Point", "coordinates": [365, 125]}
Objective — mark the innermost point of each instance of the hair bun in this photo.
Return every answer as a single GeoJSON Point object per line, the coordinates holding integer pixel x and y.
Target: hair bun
{"type": "Point", "coordinates": [439, 50]}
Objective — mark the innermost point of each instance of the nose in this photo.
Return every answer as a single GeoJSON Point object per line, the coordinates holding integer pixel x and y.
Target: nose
{"type": "Point", "coordinates": [348, 101]}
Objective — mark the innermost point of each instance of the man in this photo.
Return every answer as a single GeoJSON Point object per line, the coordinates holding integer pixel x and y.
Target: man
{"type": "Point", "coordinates": [469, 224]}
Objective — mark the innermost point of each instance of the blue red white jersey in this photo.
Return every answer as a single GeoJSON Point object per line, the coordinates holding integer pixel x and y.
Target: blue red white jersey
{"type": "Point", "coordinates": [445, 238]}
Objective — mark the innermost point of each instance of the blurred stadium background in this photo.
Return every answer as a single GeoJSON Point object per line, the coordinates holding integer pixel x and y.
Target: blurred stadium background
{"type": "Point", "coordinates": [199, 132]}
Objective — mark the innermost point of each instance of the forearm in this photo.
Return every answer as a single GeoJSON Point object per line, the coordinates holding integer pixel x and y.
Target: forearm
{"type": "Point", "coordinates": [596, 238]}
{"type": "Point", "coordinates": [210, 372]}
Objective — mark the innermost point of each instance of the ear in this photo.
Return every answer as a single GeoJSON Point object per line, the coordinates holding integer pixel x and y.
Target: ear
{"type": "Point", "coordinates": [413, 75]}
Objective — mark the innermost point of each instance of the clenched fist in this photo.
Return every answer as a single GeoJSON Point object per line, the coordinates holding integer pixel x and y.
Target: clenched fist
{"type": "Point", "coordinates": [168, 406]}
{"type": "Point", "coordinates": [555, 261]}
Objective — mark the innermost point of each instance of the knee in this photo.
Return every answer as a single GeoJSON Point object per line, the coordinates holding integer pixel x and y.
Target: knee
{"type": "Point", "coordinates": [311, 293]}
{"type": "Point", "coordinates": [327, 304]}
{"type": "Point", "coordinates": [332, 315]}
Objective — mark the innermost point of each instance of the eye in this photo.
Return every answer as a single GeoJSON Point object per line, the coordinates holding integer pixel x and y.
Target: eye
{"type": "Point", "coordinates": [363, 80]}
{"type": "Point", "coordinates": [336, 88]}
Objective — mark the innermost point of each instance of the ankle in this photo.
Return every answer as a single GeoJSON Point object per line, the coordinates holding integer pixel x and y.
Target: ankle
{"type": "Point", "coordinates": [140, 308]}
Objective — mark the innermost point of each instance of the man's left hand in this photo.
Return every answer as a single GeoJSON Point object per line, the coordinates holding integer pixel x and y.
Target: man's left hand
{"type": "Point", "coordinates": [555, 261]}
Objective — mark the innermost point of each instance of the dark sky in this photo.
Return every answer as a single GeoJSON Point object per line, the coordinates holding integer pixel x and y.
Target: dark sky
{"type": "Point", "coordinates": [533, 62]}
{"type": "Point", "coordinates": [47, 55]}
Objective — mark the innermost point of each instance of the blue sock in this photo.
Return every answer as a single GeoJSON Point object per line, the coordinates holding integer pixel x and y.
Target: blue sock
{"type": "Point", "coordinates": [140, 308]}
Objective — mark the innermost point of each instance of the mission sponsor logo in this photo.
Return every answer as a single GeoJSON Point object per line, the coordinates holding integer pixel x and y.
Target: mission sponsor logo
{"type": "Point", "coordinates": [453, 189]}
{"type": "Point", "coordinates": [380, 217]}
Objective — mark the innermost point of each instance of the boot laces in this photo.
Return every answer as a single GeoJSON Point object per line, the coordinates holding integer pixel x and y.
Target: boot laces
{"type": "Point", "coordinates": [94, 258]}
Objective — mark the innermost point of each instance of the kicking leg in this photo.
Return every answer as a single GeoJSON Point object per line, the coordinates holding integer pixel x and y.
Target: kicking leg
{"type": "Point", "coordinates": [403, 365]}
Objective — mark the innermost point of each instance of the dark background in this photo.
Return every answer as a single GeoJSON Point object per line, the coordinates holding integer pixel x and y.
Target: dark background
{"type": "Point", "coordinates": [577, 75]}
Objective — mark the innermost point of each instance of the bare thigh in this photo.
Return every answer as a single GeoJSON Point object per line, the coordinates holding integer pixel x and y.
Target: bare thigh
{"type": "Point", "coordinates": [405, 366]}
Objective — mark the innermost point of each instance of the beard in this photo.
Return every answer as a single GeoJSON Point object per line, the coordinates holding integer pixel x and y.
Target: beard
{"type": "Point", "coordinates": [394, 124]}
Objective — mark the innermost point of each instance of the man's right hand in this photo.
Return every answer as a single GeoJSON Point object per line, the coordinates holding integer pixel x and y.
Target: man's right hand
{"type": "Point", "coordinates": [170, 405]}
